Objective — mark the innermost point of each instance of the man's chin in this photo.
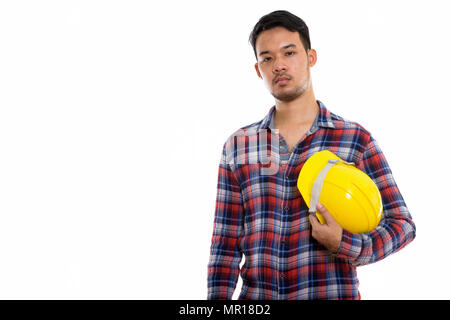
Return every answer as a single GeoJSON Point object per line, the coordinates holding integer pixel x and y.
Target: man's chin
{"type": "Point", "coordinates": [286, 96]}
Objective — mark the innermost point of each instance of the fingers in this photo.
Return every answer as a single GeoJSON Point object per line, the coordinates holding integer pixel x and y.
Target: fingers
{"type": "Point", "coordinates": [325, 214]}
{"type": "Point", "coordinates": [313, 220]}
{"type": "Point", "coordinates": [316, 223]}
{"type": "Point", "coordinates": [328, 234]}
{"type": "Point", "coordinates": [315, 226]}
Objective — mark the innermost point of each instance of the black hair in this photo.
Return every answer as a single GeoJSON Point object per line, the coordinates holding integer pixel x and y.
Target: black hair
{"type": "Point", "coordinates": [281, 18]}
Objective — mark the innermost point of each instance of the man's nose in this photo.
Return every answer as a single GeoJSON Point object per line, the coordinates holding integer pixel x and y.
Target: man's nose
{"type": "Point", "coordinates": [279, 66]}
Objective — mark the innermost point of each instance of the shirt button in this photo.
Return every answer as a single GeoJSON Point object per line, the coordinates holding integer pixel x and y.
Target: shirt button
{"type": "Point", "coordinates": [286, 209]}
{"type": "Point", "coordinates": [282, 275]}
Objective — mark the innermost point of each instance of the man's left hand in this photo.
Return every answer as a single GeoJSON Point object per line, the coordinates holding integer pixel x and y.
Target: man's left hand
{"type": "Point", "coordinates": [328, 234]}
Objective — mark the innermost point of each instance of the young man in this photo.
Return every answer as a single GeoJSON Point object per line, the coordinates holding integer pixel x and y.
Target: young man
{"type": "Point", "coordinates": [261, 214]}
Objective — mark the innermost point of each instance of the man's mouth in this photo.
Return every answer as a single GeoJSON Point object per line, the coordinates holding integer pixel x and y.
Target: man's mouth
{"type": "Point", "coordinates": [282, 80]}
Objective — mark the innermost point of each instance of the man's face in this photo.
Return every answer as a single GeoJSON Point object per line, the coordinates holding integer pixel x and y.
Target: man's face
{"type": "Point", "coordinates": [283, 63]}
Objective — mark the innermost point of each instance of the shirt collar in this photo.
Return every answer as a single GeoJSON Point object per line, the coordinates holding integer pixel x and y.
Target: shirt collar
{"type": "Point", "coordinates": [323, 118]}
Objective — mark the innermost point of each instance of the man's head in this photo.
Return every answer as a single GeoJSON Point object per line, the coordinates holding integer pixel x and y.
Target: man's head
{"type": "Point", "coordinates": [281, 18]}
{"type": "Point", "coordinates": [283, 52]}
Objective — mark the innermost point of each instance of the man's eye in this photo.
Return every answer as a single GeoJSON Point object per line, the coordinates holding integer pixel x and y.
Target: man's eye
{"type": "Point", "coordinates": [266, 59]}
{"type": "Point", "coordinates": [290, 53]}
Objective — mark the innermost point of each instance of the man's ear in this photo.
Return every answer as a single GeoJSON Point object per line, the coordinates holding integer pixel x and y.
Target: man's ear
{"type": "Point", "coordinates": [257, 70]}
{"type": "Point", "coordinates": [312, 57]}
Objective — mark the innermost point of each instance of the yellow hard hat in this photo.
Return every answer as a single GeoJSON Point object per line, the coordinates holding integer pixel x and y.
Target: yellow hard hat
{"type": "Point", "coordinates": [351, 197]}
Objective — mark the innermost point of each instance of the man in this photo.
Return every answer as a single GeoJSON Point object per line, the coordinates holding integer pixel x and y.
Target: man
{"type": "Point", "coordinates": [261, 214]}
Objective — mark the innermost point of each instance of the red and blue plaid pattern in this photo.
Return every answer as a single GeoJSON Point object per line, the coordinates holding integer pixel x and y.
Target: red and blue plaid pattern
{"type": "Point", "coordinates": [263, 216]}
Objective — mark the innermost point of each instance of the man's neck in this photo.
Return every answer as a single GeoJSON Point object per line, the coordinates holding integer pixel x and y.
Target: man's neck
{"type": "Point", "coordinates": [301, 111]}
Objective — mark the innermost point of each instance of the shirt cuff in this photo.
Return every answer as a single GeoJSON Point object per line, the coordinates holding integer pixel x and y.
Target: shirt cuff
{"type": "Point", "coordinates": [350, 247]}
{"type": "Point", "coordinates": [218, 295]}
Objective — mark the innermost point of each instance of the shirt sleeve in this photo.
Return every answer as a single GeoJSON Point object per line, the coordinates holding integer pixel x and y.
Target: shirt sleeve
{"type": "Point", "coordinates": [225, 255]}
{"type": "Point", "coordinates": [396, 228]}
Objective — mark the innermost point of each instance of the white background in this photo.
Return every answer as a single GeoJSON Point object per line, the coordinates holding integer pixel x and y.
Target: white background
{"type": "Point", "coordinates": [113, 115]}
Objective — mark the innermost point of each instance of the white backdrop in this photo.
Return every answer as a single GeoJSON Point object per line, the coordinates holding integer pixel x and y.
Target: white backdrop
{"type": "Point", "coordinates": [113, 115]}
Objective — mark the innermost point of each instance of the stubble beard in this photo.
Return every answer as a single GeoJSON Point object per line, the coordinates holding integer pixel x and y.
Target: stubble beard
{"type": "Point", "coordinates": [293, 94]}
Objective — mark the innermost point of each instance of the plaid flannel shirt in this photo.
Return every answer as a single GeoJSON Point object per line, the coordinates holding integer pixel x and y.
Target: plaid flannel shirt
{"type": "Point", "coordinates": [261, 214]}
